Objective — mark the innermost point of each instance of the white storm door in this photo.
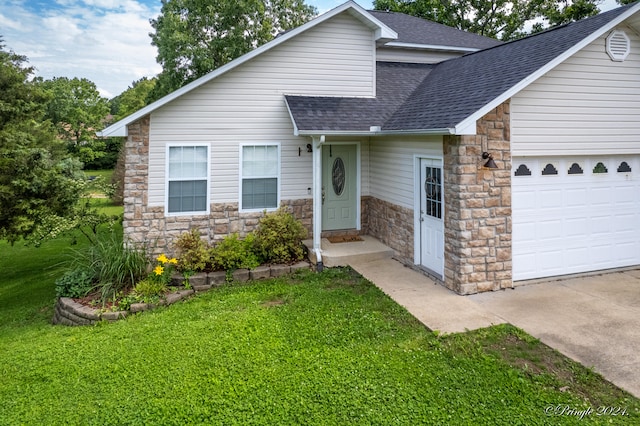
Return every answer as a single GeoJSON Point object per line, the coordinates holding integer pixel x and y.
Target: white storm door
{"type": "Point", "coordinates": [431, 215]}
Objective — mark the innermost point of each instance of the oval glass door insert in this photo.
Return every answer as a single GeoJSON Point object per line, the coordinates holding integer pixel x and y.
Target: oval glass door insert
{"type": "Point", "coordinates": [338, 176]}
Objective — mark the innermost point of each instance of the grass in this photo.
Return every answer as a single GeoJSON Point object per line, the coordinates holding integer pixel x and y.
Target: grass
{"type": "Point", "coordinates": [106, 206]}
{"type": "Point", "coordinates": [105, 174]}
{"type": "Point", "coordinates": [326, 349]}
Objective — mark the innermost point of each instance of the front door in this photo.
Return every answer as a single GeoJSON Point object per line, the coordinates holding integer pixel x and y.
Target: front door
{"type": "Point", "coordinates": [431, 215]}
{"type": "Point", "coordinates": [339, 187]}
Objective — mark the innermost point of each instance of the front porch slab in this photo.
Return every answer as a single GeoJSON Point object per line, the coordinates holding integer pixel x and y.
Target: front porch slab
{"type": "Point", "coordinates": [343, 254]}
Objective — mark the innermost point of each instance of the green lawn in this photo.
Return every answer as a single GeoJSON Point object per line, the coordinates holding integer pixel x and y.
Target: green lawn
{"type": "Point", "coordinates": [323, 349]}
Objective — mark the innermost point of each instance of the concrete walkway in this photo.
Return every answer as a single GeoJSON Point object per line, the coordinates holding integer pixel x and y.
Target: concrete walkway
{"type": "Point", "coordinates": [593, 320]}
{"type": "Point", "coordinates": [432, 304]}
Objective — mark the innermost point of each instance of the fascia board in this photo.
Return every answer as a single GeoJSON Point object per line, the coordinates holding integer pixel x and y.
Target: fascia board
{"type": "Point", "coordinates": [431, 47]}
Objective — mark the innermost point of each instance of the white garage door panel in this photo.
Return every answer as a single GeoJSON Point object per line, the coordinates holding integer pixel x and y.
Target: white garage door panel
{"type": "Point", "coordinates": [569, 223]}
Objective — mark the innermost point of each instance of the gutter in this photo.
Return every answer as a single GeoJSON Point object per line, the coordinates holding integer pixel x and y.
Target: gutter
{"type": "Point", "coordinates": [375, 131]}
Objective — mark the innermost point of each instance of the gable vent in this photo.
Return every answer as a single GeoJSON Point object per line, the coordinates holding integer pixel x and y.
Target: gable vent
{"type": "Point", "coordinates": [618, 46]}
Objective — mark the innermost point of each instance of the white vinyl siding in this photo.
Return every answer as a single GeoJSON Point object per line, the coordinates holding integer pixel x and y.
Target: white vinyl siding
{"type": "Point", "coordinates": [588, 104]}
{"type": "Point", "coordinates": [259, 171]}
{"type": "Point", "coordinates": [391, 166]}
{"type": "Point", "coordinates": [414, 56]}
{"type": "Point", "coordinates": [247, 104]}
{"type": "Point", "coordinates": [187, 185]}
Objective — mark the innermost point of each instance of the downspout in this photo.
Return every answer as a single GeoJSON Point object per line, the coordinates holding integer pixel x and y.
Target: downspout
{"type": "Point", "coordinates": [317, 199]}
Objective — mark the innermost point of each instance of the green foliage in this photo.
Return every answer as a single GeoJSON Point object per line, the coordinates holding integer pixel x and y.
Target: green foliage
{"type": "Point", "coordinates": [113, 264]}
{"type": "Point", "coordinates": [278, 238]}
{"type": "Point", "coordinates": [195, 37]}
{"type": "Point", "coordinates": [503, 19]}
{"type": "Point", "coordinates": [163, 270]}
{"type": "Point", "coordinates": [233, 253]}
{"type": "Point", "coordinates": [108, 155]}
{"type": "Point", "coordinates": [149, 290]}
{"type": "Point", "coordinates": [38, 182]}
{"type": "Point", "coordinates": [78, 111]}
{"type": "Point", "coordinates": [192, 251]}
{"type": "Point", "coordinates": [74, 283]}
{"type": "Point", "coordinates": [131, 100]}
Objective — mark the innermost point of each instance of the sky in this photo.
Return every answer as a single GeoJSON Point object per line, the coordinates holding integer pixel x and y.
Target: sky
{"type": "Point", "coordinates": [105, 41]}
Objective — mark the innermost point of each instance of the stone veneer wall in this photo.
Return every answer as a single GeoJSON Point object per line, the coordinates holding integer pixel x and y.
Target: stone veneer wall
{"type": "Point", "coordinates": [478, 207]}
{"type": "Point", "coordinates": [149, 225]}
{"type": "Point", "coordinates": [392, 225]}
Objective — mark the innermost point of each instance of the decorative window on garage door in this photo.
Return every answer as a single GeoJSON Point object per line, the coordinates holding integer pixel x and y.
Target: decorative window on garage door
{"type": "Point", "coordinates": [600, 168]}
{"type": "Point", "coordinates": [522, 170]}
{"type": "Point", "coordinates": [624, 167]}
{"type": "Point", "coordinates": [549, 169]}
{"type": "Point", "coordinates": [575, 169]}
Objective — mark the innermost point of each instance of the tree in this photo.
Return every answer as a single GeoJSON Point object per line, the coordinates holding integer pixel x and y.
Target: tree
{"type": "Point", "coordinates": [38, 180]}
{"type": "Point", "coordinates": [194, 37]}
{"type": "Point", "coordinates": [503, 19]}
{"type": "Point", "coordinates": [78, 111]}
{"type": "Point", "coordinates": [134, 98]}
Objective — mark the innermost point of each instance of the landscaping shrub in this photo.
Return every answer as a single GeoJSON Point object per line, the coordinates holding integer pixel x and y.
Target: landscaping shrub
{"type": "Point", "coordinates": [74, 283]}
{"type": "Point", "coordinates": [278, 237]}
{"type": "Point", "coordinates": [113, 265]}
{"type": "Point", "coordinates": [233, 253]}
{"type": "Point", "coordinates": [148, 290]}
{"type": "Point", "coordinates": [193, 252]}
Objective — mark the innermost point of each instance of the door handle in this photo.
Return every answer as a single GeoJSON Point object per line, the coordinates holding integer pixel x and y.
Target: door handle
{"type": "Point", "coordinates": [323, 195]}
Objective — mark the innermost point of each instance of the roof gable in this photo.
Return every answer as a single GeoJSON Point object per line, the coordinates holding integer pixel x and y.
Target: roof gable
{"type": "Point", "coordinates": [382, 33]}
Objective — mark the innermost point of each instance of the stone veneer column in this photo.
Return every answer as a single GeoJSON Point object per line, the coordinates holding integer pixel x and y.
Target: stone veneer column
{"type": "Point", "coordinates": [136, 180]}
{"type": "Point", "coordinates": [478, 207]}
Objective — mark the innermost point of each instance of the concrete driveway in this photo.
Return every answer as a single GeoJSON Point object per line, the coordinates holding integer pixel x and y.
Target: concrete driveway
{"type": "Point", "coordinates": [594, 320]}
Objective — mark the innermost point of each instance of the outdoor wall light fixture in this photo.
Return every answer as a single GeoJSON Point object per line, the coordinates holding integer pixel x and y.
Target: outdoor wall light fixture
{"type": "Point", "coordinates": [490, 164]}
{"type": "Point", "coordinates": [309, 149]}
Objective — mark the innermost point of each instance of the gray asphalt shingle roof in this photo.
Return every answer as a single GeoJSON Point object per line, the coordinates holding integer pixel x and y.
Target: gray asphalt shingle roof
{"type": "Point", "coordinates": [394, 83]}
{"type": "Point", "coordinates": [457, 88]}
{"type": "Point", "coordinates": [448, 92]}
{"type": "Point", "coordinates": [415, 30]}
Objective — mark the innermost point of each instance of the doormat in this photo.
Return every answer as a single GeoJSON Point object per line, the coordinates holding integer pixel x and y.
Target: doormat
{"type": "Point", "coordinates": [344, 239]}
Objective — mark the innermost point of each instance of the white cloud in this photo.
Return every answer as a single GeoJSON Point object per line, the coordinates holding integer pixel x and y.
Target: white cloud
{"type": "Point", "coordinates": [105, 41]}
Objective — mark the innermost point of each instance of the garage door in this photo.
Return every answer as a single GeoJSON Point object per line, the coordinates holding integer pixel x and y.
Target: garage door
{"type": "Point", "coordinates": [574, 215]}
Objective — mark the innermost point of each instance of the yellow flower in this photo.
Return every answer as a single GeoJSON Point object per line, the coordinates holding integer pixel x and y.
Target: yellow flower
{"type": "Point", "coordinates": [159, 270]}
{"type": "Point", "coordinates": [173, 261]}
{"type": "Point", "coordinates": [162, 259]}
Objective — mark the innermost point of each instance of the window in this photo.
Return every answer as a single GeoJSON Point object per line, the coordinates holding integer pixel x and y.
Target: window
{"type": "Point", "coordinates": [188, 179]}
{"type": "Point", "coordinates": [433, 191]}
{"type": "Point", "coordinates": [260, 167]}
{"type": "Point", "coordinates": [549, 169]}
{"type": "Point", "coordinates": [575, 169]}
{"type": "Point", "coordinates": [522, 170]}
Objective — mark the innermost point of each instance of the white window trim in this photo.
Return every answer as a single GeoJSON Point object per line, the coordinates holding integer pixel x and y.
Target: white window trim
{"type": "Point", "coordinates": [241, 177]}
{"type": "Point", "coordinates": [166, 180]}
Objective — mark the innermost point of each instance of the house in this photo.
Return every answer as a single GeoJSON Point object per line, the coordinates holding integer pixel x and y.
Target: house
{"type": "Point", "coordinates": [377, 123]}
